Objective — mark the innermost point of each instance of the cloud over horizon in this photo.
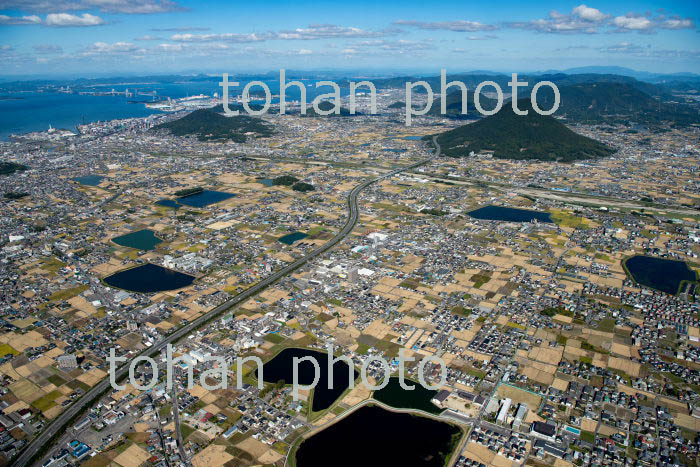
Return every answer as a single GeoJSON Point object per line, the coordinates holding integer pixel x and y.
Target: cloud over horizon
{"type": "Point", "coordinates": [104, 6]}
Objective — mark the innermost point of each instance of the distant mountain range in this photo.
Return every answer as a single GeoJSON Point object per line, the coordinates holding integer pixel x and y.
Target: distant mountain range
{"type": "Point", "coordinates": [589, 94]}
{"type": "Point", "coordinates": [617, 102]}
{"type": "Point", "coordinates": [453, 105]}
{"type": "Point", "coordinates": [585, 97]}
{"type": "Point", "coordinates": [510, 136]}
{"type": "Point", "coordinates": [340, 75]}
{"type": "Point", "coordinates": [640, 75]}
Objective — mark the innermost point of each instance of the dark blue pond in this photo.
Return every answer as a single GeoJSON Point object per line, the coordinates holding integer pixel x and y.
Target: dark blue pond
{"type": "Point", "coordinates": [373, 436]}
{"type": "Point", "coordinates": [89, 180]}
{"type": "Point", "coordinates": [292, 237]}
{"type": "Point", "coordinates": [661, 274]}
{"type": "Point", "coordinates": [141, 240]}
{"type": "Point", "coordinates": [418, 398]}
{"type": "Point", "coordinates": [281, 367]}
{"type": "Point", "coordinates": [500, 213]}
{"type": "Point", "coordinates": [266, 181]}
{"type": "Point", "coordinates": [204, 198]}
{"type": "Point", "coordinates": [149, 278]}
{"type": "Point", "coordinates": [168, 203]}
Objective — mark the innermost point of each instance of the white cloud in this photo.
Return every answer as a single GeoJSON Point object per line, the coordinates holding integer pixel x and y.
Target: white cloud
{"type": "Point", "coordinates": [557, 25]}
{"type": "Point", "coordinates": [105, 6]}
{"type": "Point", "coordinates": [587, 20]}
{"type": "Point", "coordinates": [623, 47]}
{"type": "Point", "coordinates": [103, 48]}
{"type": "Point", "coordinates": [312, 32]}
{"type": "Point", "coordinates": [389, 47]}
{"type": "Point", "coordinates": [228, 37]}
{"type": "Point", "coordinates": [32, 19]}
{"type": "Point", "coordinates": [589, 14]}
{"type": "Point", "coordinates": [281, 53]}
{"type": "Point", "coordinates": [326, 31]}
{"type": "Point", "coordinates": [170, 47]}
{"type": "Point", "coordinates": [582, 20]}
{"type": "Point", "coordinates": [148, 37]}
{"type": "Point", "coordinates": [47, 49]}
{"type": "Point", "coordinates": [677, 23]}
{"type": "Point", "coordinates": [459, 26]}
{"type": "Point", "coordinates": [69, 20]}
{"type": "Point", "coordinates": [647, 51]}
{"type": "Point", "coordinates": [481, 38]}
{"type": "Point", "coordinates": [633, 23]}
{"type": "Point", "coordinates": [181, 29]}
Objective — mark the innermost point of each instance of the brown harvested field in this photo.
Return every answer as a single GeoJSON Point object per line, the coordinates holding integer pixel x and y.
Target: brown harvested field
{"type": "Point", "coordinates": [479, 453]}
{"type": "Point", "coordinates": [21, 342]}
{"type": "Point", "coordinates": [588, 424]}
{"type": "Point", "coordinates": [607, 430]}
{"type": "Point", "coordinates": [53, 412]}
{"type": "Point", "coordinates": [100, 460]}
{"type": "Point", "coordinates": [134, 456]}
{"type": "Point", "coordinates": [138, 437]}
{"type": "Point", "coordinates": [621, 349]}
{"type": "Point", "coordinates": [687, 421]}
{"type": "Point", "coordinates": [542, 377]}
{"type": "Point", "coordinates": [357, 395]}
{"type": "Point", "coordinates": [92, 377]}
{"type": "Point", "coordinates": [213, 456]}
{"type": "Point", "coordinates": [26, 391]}
{"type": "Point", "coordinates": [519, 396]}
{"type": "Point", "coordinates": [626, 365]}
{"type": "Point", "coordinates": [500, 461]}
{"type": "Point", "coordinates": [253, 446]}
{"type": "Point", "coordinates": [563, 318]}
{"type": "Point", "coordinates": [560, 384]}
{"type": "Point", "coordinates": [546, 355]}
{"type": "Point", "coordinates": [270, 457]}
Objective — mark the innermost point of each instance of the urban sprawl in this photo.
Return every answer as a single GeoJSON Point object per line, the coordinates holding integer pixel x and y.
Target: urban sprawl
{"type": "Point", "coordinates": [553, 353]}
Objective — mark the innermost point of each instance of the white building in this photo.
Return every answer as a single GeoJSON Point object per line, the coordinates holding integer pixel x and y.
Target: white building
{"type": "Point", "coordinates": [503, 411]}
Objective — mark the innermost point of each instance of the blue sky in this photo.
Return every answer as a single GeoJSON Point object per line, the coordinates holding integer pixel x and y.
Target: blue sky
{"type": "Point", "coordinates": [90, 37]}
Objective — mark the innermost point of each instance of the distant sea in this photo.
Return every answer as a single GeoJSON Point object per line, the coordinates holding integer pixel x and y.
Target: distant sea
{"type": "Point", "coordinates": [24, 112]}
{"type": "Point", "coordinates": [36, 111]}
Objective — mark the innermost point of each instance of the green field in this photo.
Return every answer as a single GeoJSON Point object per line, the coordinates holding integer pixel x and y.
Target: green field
{"type": "Point", "coordinates": [46, 401]}
{"type": "Point", "coordinates": [67, 294]}
{"type": "Point", "coordinates": [7, 349]}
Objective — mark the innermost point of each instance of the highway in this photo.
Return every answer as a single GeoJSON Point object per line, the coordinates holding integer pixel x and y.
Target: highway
{"type": "Point", "coordinates": [60, 423]}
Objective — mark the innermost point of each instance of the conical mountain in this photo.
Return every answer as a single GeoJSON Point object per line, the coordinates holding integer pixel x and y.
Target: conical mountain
{"type": "Point", "coordinates": [510, 136]}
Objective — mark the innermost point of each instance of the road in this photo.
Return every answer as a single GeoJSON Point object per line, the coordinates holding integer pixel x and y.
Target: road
{"type": "Point", "coordinates": [60, 423]}
{"type": "Point", "coordinates": [160, 435]}
{"type": "Point", "coordinates": [573, 197]}
{"type": "Point", "coordinates": [178, 429]}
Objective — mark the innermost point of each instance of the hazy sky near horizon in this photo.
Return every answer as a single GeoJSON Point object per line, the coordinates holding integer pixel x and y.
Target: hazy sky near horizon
{"type": "Point", "coordinates": [87, 37]}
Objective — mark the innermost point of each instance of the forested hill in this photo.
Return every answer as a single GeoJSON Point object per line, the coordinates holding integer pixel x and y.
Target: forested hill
{"type": "Point", "coordinates": [211, 124]}
{"type": "Point", "coordinates": [511, 136]}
